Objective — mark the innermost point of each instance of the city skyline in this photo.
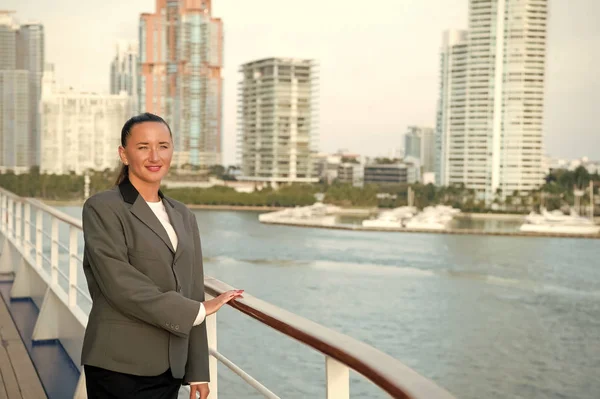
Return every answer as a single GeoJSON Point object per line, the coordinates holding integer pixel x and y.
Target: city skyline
{"type": "Point", "coordinates": [394, 77]}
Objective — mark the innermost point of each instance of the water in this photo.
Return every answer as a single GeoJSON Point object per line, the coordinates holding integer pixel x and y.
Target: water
{"type": "Point", "coordinates": [482, 316]}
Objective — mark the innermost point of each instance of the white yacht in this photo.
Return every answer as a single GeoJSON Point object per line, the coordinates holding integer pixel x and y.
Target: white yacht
{"type": "Point", "coordinates": [385, 219]}
{"type": "Point", "coordinates": [316, 214]}
{"type": "Point", "coordinates": [558, 222]}
{"type": "Point", "coordinates": [393, 218]}
{"type": "Point", "coordinates": [432, 218]}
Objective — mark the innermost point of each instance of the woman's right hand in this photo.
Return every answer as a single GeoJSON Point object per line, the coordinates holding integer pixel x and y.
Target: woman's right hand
{"type": "Point", "coordinates": [212, 305]}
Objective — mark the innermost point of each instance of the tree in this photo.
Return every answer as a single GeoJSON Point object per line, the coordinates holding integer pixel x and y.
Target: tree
{"type": "Point", "coordinates": [581, 177]}
{"type": "Point", "coordinates": [216, 170]}
{"type": "Point", "coordinates": [386, 161]}
{"type": "Point", "coordinates": [350, 160]}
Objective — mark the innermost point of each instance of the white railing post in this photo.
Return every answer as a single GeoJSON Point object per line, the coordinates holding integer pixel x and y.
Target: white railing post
{"type": "Point", "coordinates": [9, 210]}
{"type": "Point", "coordinates": [19, 223]}
{"type": "Point", "coordinates": [27, 227]}
{"type": "Point", "coordinates": [54, 251]}
{"type": "Point", "coordinates": [338, 379]}
{"type": "Point", "coordinates": [4, 205]}
{"type": "Point", "coordinates": [39, 247]}
{"type": "Point", "coordinates": [39, 237]}
{"type": "Point", "coordinates": [211, 332]}
{"type": "Point", "coordinates": [72, 267]}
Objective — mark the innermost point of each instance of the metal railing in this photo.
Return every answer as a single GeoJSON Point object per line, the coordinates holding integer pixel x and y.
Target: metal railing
{"type": "Point", "coordinates": [43, 247]}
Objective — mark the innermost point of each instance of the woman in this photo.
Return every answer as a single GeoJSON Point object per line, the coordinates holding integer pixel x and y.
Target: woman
{"type": "Point", "coordinates": [146, 334]}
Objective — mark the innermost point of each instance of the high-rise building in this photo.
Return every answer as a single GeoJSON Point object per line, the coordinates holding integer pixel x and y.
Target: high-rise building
{"type": "Point", "coordinates": [491, 99]}
{"type": "Point", "coordinates": [181, 56]}
{"type": "Point", "coordinates": [450, 123]}
{"type": "Point", "coordinates": [277, 120]}
{"type": "Point", "coordinates": [419, 143]}
{"type": "Point", "coordinates": [17, 151]}
{"type": "Point", "coordinates": [80, 131]}
{"type": "Point", "coordinates": [124, 72]}
{"type": "Point", "coordinates": [8, 41]}
{"type": "Point", "coordinates": [30, 57]}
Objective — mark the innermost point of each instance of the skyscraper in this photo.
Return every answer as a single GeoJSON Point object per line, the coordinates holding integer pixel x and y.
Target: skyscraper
{"type": "Point", "coordinates": [450, 122]}
{"type": "Point", "coordinates": [124, 72]}
{"type": "Point", "coordinates": [181, 56]}
{"type": "Point", "coordinates": [491, 99]}
{"type": "Point", "coordinates": [30, 57]}
{"type": "Point", "coordinates": [8, 41]}
{"type": "Point", "coordinates": [277, 120]}
{"type": "Point", "coordinates": [419, 144]}
{"type": "Point", "coordinates": [17, 150]}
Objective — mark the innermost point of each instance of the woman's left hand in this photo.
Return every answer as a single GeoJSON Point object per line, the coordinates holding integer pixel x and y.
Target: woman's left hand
{"type": "Point", "coordinates": [202, 389]}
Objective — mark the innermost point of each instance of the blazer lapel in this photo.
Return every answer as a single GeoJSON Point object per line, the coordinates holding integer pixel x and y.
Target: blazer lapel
{"type": "Point", "coordinates": [177, 222]}
{"type": "Point", "coordinates": [143, 212]}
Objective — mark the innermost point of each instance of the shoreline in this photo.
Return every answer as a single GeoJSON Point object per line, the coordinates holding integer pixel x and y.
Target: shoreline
{"type": "Point", "coordinates": [191, 206]}
{"type": "Point", "coordinates": [344, 212]}
{"type": "Point", "coordinates": [239, 208]}
{"type": "Point", "coordinates": [60, 202]}
{"type": "Point", "coordinates": [427, 231]}
{"type": "Point", "coordinates": [491, 216]}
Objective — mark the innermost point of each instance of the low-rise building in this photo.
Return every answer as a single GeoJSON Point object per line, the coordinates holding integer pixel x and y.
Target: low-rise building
{"type": "Point", "coordinates": [80, 131]}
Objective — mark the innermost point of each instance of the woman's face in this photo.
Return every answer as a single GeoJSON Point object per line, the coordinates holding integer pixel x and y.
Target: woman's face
{"type": "Point", "coordinates": [148, 151]}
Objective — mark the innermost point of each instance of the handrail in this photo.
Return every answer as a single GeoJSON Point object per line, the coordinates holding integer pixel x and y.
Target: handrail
{"type": "Point", "coordinates": [63, 217]}
{"type": "Point", "coordinates": [389, 374]}
{"type": "Point", "coordinates": [10, 194]}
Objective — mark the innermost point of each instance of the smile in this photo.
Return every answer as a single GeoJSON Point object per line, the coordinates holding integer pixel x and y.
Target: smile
{"type": "Point", "coordinates": [153, 168]}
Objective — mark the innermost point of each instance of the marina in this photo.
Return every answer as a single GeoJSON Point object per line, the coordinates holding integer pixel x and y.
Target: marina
{"type": "Point", "coordinates": [558, 223]}
{"type": "Point", "coordinates": [431, 220]}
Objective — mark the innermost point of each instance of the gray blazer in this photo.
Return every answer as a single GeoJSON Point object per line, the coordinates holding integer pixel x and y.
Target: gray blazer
{"type": "Point", "coordinates": [146, 296]}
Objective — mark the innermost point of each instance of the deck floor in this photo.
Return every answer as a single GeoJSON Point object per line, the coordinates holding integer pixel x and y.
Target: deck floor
{"type": "Point", "coordinates": [18, 378]}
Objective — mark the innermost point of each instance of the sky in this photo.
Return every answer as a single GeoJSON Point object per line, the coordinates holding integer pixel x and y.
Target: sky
{"type": "Point", "coordinates": [378, 61]}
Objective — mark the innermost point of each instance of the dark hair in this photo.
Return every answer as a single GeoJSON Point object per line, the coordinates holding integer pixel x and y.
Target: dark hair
{"type": "Point", "coordinates": [126, 132]}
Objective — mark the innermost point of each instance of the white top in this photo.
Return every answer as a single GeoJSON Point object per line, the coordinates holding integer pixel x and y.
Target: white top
{"type": "Point", "coordinates": [161, 213]}
{"type": "Point", "coordinates": [163, 217]}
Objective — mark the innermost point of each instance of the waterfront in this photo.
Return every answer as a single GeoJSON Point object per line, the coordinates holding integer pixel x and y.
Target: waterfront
{"type": "Point", "coordinates": [483, 316]}
{"type": "Point", "coordinates": [462, 224]}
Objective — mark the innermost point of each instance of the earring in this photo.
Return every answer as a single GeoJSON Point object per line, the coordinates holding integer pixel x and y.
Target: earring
{"type": "Point", "coordinates": [126, 163]}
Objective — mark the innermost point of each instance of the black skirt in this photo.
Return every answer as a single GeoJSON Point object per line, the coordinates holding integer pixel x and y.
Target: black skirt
{"type": "Point", "coordinates": [106, 384]}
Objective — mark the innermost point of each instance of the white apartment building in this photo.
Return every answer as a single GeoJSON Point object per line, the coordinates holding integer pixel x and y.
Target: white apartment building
{"type": "Point", "coordinates": [450, 123]}
{"type": "Point", "coordinates": [277, 120]}
{"type": "Point", "coordinates": [491, 99]}
{"type": "Point", "coordinates": [80, 131]}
